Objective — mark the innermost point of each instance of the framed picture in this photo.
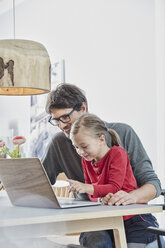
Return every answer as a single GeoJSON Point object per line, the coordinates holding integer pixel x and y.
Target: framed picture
{"type": "Point", "coordinates": [40, 130]}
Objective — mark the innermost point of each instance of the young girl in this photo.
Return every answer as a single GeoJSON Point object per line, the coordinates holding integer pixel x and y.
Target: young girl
{"type": "Point", "coordinates": [107, 170]}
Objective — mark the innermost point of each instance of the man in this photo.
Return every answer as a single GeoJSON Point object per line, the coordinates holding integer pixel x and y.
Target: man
{"type": "Point", "coordinates": [66, 104]}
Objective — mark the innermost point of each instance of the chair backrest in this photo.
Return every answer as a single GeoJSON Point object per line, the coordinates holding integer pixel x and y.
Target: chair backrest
{"type": "Point", "coordinates": [158, 232]}
{"type": "Point", "coordinates": [61, 188]}
{"type": "Point", "coordinates": [163, 194]}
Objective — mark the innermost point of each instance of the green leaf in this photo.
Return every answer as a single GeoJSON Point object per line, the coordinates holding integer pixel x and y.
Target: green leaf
{"type": "Point", "coordinates": [14, 154]}
{"type": "Point", "coordinates": [4, 151]}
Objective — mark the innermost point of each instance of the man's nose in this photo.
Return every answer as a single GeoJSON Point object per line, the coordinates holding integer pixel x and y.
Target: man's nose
{"type": "Point", "coordinates": [62, 125]}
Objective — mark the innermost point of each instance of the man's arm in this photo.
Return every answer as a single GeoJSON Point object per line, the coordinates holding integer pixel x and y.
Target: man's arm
{"type": "Point", "coordinates": [145, 193]}
{"type": "Point", "coordinates": [141, 195]}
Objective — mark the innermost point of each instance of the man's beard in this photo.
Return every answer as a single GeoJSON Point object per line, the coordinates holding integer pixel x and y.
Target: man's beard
{"type": "Point", "coordinates": [67, 133]}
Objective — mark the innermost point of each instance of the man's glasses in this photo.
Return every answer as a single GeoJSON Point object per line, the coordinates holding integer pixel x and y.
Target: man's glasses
{"type": "Point", "coordinates": [63, 118]}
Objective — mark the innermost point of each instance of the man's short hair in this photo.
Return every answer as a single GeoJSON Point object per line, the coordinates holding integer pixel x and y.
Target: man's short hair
{"type": "Point", "coordinates": [65, 96]}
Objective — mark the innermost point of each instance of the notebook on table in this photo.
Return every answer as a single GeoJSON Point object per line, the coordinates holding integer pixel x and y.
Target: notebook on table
{"type": "Point", "coordinates": [28, 185]}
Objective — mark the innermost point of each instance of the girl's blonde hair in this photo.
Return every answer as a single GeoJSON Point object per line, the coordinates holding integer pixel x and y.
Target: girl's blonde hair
{"type": "Point", "coordinates": [96, 127]}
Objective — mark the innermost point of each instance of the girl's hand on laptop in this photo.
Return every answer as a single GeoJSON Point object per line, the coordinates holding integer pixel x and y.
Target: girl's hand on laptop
{"type": "Point", "coordinates": [79, 187]}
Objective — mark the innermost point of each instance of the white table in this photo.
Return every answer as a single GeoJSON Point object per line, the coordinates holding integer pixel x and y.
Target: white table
{"type": "Point", "coordinates": [16, 222]}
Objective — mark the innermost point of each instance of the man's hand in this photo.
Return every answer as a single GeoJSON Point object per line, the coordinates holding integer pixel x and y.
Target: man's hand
{"type": "Point", "coordinates": [106, 198]}
{"type": "Point", "coordinates": [143, 194]}
{"type": "Point", "coordinates": [79, 187]}
{"type": "Point", "coordinates": [121, 198]}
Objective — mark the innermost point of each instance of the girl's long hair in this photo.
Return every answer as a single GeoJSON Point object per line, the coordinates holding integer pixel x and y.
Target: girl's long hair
{"type": "Point", "coordinates": [96, 127]}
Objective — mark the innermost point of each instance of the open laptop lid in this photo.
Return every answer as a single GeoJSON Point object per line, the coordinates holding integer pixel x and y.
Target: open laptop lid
{"type": "Point", "coordinates": [28, 185]}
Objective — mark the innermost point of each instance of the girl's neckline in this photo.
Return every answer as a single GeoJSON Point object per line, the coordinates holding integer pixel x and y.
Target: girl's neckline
{"type": "Point", "coordinates": [97, 162]}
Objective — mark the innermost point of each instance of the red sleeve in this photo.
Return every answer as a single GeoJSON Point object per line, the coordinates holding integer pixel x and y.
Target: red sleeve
{"type": "Point", "coordinates": [117, 172]}
{"type": "Point", "coordinates": [87, 179]}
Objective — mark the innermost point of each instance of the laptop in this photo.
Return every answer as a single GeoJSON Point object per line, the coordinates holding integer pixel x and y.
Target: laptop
{"type": "Point", "coordinates": [27, 185]}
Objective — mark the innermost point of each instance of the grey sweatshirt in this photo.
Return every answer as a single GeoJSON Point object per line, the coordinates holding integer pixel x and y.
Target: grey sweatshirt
{"type": "Point", "coordinates": [61, 156]}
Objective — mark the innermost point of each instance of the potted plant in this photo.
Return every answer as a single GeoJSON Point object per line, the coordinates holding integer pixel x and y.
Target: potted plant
{"type": "Point", "coordinates": [17, 150]}
{"type": "Point", "coordinates": [15, 153]}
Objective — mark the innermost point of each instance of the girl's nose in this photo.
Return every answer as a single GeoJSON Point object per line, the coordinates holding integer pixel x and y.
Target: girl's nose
{"type": "Point", "coordinates": [81, 152]}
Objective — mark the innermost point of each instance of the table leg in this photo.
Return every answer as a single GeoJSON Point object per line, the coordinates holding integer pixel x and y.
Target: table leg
{"type": "Point", "coordinates": [119, 234]}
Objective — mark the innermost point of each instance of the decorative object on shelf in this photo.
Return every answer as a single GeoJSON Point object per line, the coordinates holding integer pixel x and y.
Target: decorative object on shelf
{"type": "Point", "coordinates": [16, 152]}
{"type": "Point", "coordinates": [24, 66]}
{"type": "Point", "coordinates": [57, 72]}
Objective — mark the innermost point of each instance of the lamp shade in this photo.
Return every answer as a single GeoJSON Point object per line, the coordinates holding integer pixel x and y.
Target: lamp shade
{"type": "Point", "coordinates": [24, 68]}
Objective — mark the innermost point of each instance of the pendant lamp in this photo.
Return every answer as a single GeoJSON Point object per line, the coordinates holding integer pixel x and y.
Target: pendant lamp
{"type": "Point", "coordinates": [24, 66]}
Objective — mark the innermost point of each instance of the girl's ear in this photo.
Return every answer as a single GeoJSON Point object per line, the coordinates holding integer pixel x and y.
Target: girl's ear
{"type": "Point", "coordinates": [102, 138]}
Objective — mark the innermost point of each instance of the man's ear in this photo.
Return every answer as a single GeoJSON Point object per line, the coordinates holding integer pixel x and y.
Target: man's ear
{"type": "Point", "coordinates": [84, 107]}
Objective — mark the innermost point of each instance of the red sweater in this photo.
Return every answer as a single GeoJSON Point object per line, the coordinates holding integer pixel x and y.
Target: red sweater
{"type": "Point", "coordinates": [109, 175]}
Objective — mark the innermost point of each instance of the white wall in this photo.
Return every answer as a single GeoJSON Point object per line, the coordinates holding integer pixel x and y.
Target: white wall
{"type": "Point", "coordinates": [160, 73]}
{"type": "Point", "coordinates": [110, 51]}
{"type": "Point", "coordinates": [14, 118]}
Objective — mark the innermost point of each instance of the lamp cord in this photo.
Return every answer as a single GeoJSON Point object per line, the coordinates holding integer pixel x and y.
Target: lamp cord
{"type": "Point", "coordinates": [14, 18]}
